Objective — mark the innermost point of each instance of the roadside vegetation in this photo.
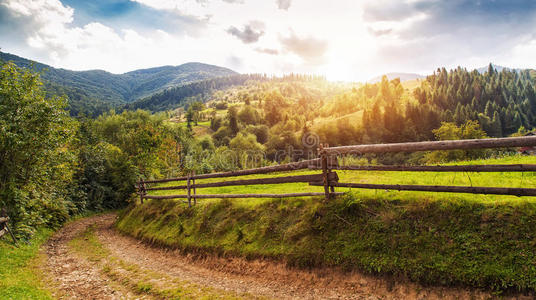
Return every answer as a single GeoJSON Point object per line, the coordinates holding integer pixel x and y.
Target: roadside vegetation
{"type": "Point", "coordinates": [20, 276]}
{"type": "Point", "coordinates": [434, 238]}
{"type": "Point", "coordinates": [446, 240]}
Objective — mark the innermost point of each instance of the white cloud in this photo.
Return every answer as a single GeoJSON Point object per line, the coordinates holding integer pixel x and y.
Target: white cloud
{"type": "Point", "coordinates": [522, 55]}
{"type": "Point", "coordinates": [310, 49]}
{"type": "Point", "coordinates": [345, 39]}
{"type": "Point", "coordinates": [284, 4]}
{"type": "Point", "coordinates": [50, 31]}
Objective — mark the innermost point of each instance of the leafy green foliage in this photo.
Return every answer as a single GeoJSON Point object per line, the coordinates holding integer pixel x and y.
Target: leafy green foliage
{"type": "Point", "coordinates": [35, 161]}
{"type": "Point", "coordinates": [449, 131]}
{"type": "Point", "coordinates": [105, 178]}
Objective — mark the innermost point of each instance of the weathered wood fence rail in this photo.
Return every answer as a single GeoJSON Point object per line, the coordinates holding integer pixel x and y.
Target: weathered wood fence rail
{"type": "Point", "coordinates": [191, 186]}
{"type": "Point", "coordinates": [4, 226]}
{"type": "Point", "coordinates": [328, 161]}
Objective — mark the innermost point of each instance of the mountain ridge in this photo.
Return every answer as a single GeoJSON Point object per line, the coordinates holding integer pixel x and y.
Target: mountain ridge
{"type": "Point", "coordinates": [94, 91]}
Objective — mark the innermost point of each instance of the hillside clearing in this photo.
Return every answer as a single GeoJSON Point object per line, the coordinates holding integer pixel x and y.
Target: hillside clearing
{"type": "Point", "coordinates": [500, 179]}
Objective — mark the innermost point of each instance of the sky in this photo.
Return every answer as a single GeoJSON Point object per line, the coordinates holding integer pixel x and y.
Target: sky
{"type": "Point", "coordinates": [348, 40]}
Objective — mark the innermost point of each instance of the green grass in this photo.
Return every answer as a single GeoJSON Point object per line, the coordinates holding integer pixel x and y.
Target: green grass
{"type": "Point", "coordinates": [19, 276]}
{"type": "Point", "coordinates": [436, 238]}
{"type": "Point", "coordinates": [500, 179]}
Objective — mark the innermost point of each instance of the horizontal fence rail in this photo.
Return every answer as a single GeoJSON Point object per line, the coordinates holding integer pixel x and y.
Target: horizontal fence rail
{"type": "Point", "coordinates": [525, 141]}
{"type": "Point", "coordinates": [305, 164]}
{"type": "Point", "coordinates": [241, 195]}
{"type": "Point", "coordinates": [462, 168]}
{"type": "Point", "coordinates": [440, 188]}
{"type": "Point", "coordinates": [273, 180]}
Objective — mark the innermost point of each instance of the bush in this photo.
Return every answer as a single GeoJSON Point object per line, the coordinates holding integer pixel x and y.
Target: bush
{"type": "Point", "coordinates": [35, 162]}
{"type": "Point", "coordinates": [106, 178]}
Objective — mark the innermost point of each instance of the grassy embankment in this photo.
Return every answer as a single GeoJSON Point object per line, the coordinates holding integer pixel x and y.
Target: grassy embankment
{"type": "Point", "coordinates": [475, 240]}
{"type": "Point", "coordinates": [19, 276]}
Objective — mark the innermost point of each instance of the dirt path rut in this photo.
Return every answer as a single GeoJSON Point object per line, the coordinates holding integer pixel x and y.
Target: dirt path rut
{"type": "Point", "coordinates": [88, 259]}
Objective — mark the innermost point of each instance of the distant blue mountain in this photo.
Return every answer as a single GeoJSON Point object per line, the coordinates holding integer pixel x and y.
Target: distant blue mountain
{"type": "Point", "coordinates": [498, 68]}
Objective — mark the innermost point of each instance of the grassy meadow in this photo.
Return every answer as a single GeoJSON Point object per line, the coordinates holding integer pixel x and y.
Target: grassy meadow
{"type": "Point", "coordinates": [486, 179]}
{"type": "Point", "coordinates": [481, 241]}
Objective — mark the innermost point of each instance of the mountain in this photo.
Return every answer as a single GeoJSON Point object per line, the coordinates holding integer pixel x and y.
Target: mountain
{"type": "Point", "coordinates": [497, 68]}
{"type": "Point", "coordinates": [196, 91]}
{"type": "Point", "coordinates": [95, 91]}
{"type": "Point", "coordinates": [402, 76]}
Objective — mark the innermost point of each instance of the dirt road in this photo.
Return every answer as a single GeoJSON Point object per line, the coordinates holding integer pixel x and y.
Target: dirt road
{"type": "Point", "coordinates": [88, 259]}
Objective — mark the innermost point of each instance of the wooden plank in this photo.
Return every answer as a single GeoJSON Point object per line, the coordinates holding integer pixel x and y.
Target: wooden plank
{"type": "Point", "coordinates": [272, 180]}
{"type": "Point", "coordinates": [241, 196]}
{"type": "Point", "coordinates": [193, 182]}
{"type": "Point", "coordinates": [439, 188]}
{"type": "Point", "coordinates": [457, 168]}
{"type": "Point", "coordinates": [525, 141]}
{"type": "Point", "coordinates": [264, 170]}
{"type": "Point", "coordinates": [325, 174]}
{"type": "Point", "coordinates": [189, 188]}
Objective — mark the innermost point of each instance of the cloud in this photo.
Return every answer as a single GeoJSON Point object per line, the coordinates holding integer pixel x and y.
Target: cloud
{"type": "Point", "coordinates": [181, 4]}
{"type": "Point", "coordinates": [379, 32]}
{"type": "Point", "coordinates": [283, 4]}
{"type": "Point", "coordinates": [250, 34]}
{"type": "Point", "coordinates": [440, 17]}
{"type": "Point", "coordinates": [121, 14]}
{"type": "Point", "coordinates": [267, 51]}
{"type": "Point", "coordinates": [235, 62]}
{"type": "Point", "coordinates": [35, 22]}
{"type": "Point", "coordinates": [310, 49]}
{"type": "Point", "coordinates": [44, 30]}
{"type": "Point", "coordinates": [430, 33]}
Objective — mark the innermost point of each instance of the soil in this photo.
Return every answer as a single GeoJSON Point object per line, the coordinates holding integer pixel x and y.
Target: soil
{"type": "Point", "coordinates": [76, 277]}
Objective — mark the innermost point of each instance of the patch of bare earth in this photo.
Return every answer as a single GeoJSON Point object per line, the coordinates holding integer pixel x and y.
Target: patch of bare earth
{"type": "Point", "coordinates": [167, 273]}
{"type": "Point", "coordinates": [71, 276]}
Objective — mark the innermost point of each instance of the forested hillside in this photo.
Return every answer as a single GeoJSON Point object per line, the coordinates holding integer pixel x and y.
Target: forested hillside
{"type": "Point", "coordinates": [92, 164]}
{"type": "Point", "coordinates": [197, 91]}
{"type": "Point", "coordinates": [94, 92]}
{"type": "Point", "coordinates": [279, 113]}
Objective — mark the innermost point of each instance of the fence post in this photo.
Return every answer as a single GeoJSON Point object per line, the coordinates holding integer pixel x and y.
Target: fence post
{"type": "Point", "coordinates": [193, 182]}
{"type": "Point", "coordinates": [325, 173]}
{"type": "Point", "coordinates": [4, 227]}
{"type": "Point", "coordinates": [141, 189]}
{"type": "Point", "coordinates": [189, 196]}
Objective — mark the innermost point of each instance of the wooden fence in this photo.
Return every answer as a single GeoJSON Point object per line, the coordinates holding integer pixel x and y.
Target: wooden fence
{"type": "Point", "coordinates": [4, 226]}
{"type": "Point", "coordinates": [328, 162]}
{"type": "Point", "coordinates": [191, 186]}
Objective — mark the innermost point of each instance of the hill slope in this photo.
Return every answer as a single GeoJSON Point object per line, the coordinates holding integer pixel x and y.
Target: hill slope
{"type": "Point", "coordinates": [97, 90]}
